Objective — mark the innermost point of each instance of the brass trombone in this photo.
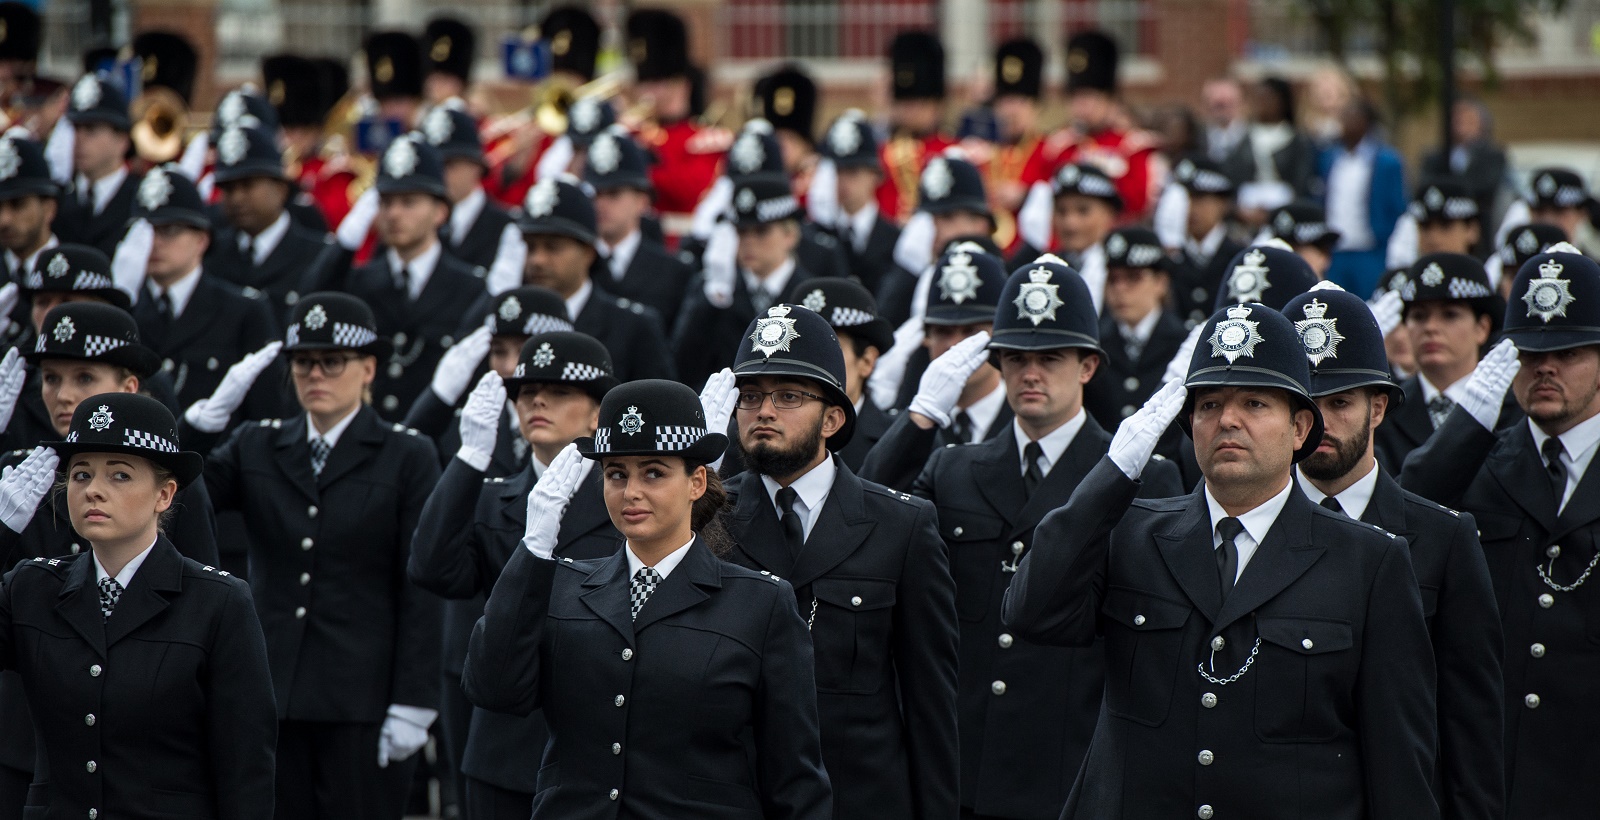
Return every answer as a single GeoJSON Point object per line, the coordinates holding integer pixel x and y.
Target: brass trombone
{"type": "Point", "coordinates": [161, 125]}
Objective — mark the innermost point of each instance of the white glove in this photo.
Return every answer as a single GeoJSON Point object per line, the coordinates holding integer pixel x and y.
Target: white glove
{"type": "Point", "coordinates": [405, 730]}
{"type": "Point", "coordinates": [1402, 248]}
{"type": "Point", "coordinates": [1485, 389]}
{"type": "Point", "coordinates": [719, 265]}
{"type": "Point", "coordinates": [352, 232]}
{"type": "Point", "coordinates": [58, 150]}
{"type": "Point", "coordinates": [505, 272]}
{"type": "Point", "coordinates": [1137, 435]}
{"type": "Point", "coordinates": [709, 210]}
{"type": "Point", "coordinates": [1386, 310]}
{"type": "Point", "coordinates": [1178, 366]}
{"type": "Point", "coordinates": [193, 161]}
{"type": "Point", "coordinates": [131, 258]}
{"type": "Point", "coordinates": [1171, 219]}
{"type": "Point", "coordinates": [914, 249]}
{"type": "Point", "coordinates": [1035, 215]}
{"type": "Point", "coordinates": [556, 159]}
{"type": "Point", "coordinates": [884, 383]}
{"type": "Point", "coordinates": [22, 487]}
{"type": "Point", "coordinates": [8, 303]}
{"type": "Point", "coordinates": [480, 421]}
{"type": "Point", "coordinates": [210, 415]}
{"type": "Point", "coordinates": [548, 500]}
{"type": "Point", "coordinates": [942, 382]}
{"type": "Point", "coordinates": [822, 195]}
{"type": "Point", "coordinates": [12, 375]}
{"type": "Point", "coordinates": [456, 366]}
{"type": "Point", "coordinates": [718, 399]}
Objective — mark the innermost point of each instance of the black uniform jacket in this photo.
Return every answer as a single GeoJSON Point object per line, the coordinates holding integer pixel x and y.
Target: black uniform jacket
{"type": "Point", "coordinates": [654, 278]}
{"type": "Point", "coordinates": [286, 274]}
{"type": "Point", "coordinates": [163, 711]}
{"type": "Point", "coordinates": [632, 333]}
{"type": "Point", "coordinates": [869, 265]}
{"type": "Point", "coordinates": [704, 707]}
{"type": "Point", "coordinates": [482, 242]}
{"type": "Point", "coordinates": [77, 223]}
{"type": "Point", "coordinates": [219, 326]}
{"type": "Point", "coordinates": [874, 584]}
{"type": "Point", "coordinates": [1333, 718]}
{"type": "Point", "coordinates": [903, 452]}
{"type": "Point", "coordinates": [707, 337]}
{"type": "Point", "coordinates": [1123, 384]}
{"type": "Point", "coordinates": [1468, 648]}
{"type": "Point", "coordinates": [347, 633]}
{"type": "Point", "coordinates": [1020, 747]}
{"type": "Point", "coordinates": [462, 563]}
{"type": "Point", "coordinates": [1552, 627]}
{"type": "Point", "coordinates": [1407, 427]}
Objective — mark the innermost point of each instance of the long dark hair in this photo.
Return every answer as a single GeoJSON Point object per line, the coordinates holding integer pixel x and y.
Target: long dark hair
{"type": "Point", "coordinates": [706, 516]}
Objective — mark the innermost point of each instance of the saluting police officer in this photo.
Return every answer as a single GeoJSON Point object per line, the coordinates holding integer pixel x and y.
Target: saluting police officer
{"type": "Point", "coordinates": [96, 210]}
{"type": "Point", "coordinates": [1138, 335]}
{"type": "Point", "coordinates": [1304, 225]}
{"type": "Point", "coordinates": [1536, 499]}
{"type": "Point", "coordinates": [867, 566]}
{"type": "Point", "coordinates": [1027, 710]}
{"type": "Point", "coordinates": [1265, 657]}
{"type": "Point", "coordinates": [557, 384]}
{"type": "Point", "coordinates": [27, 207]}
{"type": "Point", "coordinates": [640, 267]}
{"type": "Point", "coordinates": [1351, 384]}
{"type": "Point", "coordinates": [333, 496]}
{"type": "Point", "coordinates": [146, 670]}
{"type": "Point", "coordinates": [1268, 274]}
{"type": "Point", "coordinates": [952, 197]}
{"type": "Point", "coordinates": [477, 225]}
{"type": "Point", "coordinates": [1209, 240]}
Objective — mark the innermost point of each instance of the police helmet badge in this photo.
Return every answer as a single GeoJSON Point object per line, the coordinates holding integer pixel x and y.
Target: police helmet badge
{"type": "Point", "coordinates": [958, 279]}
{"type": "Point", "coordinates": [401, 158]}
{"type": "Point", "coordinates": [511, 308]}
{"type": "Point", "coordinates": [584, 114]}
{"type": "Point", "coordinates": [58, 267]}
{"type": "Point", "coordinates": [315, 318]}
{"type": "Point", "coordinates": [64, 329]}
{"type": "Point", "coordinates": [231, 109]}
{"type": "Point", "coordinates": [1433, 275]}
{"type": "Point", "coordinates": [747, 153]}
{"type": "Point", "coordinates": [745, 201]}
{"type": "Point", "coordinates": [1069, 176]}
{"type": "Point", "coordinates": [843, 137]}
{"type": "Point", "coordinates": [100, 420]}
{"type": "Point", "coordinates": [1433, 198]}
{"type": "Point", "coordinates": [1549, 295]}
{"type": "Point", "coordinates": [815, 301]}
{"type": "Point", "coordinates": [86, 93]}
{"type": "Point", "coordinates": [155, 189]}
{"type": "Point", "coordinates": [775, 332]}
{"type": "Point", "coordinates": [232, 146]}
{"type": "Point", "coordinates": [437, 126]}
{"type": "Point", "coordinates": [542, 198]}
{"type": "Point", "coordinates": [1039, 298]}
{"type": "Point", "coordinates": [1528, 243]}
{"type": "Point", "coordinates": [543, 356]}
{"type": "Point", "coordinates": [631, 422]}
{"type": "Point", "coordinates": [1283, 223]}
{"type": "Point", "coordinates": [936, 178]}
{"type": "Point", "coordinates": [604, 154]}
{"type": "Point", "coordinates": [1116, 245]}
{"type": "Point", "coordinates": [1185, 170]}
{"type": "Point", "coordinates": [1546, 185]}
{"type": "Point", "coordinates": [10, 162]}
{"type": "Point", "coordinates": [1319, 335]}
{"type": "Point", "coordinates": [1235, 336]}
{"type": "Point", "coordinates": [1249, 278]}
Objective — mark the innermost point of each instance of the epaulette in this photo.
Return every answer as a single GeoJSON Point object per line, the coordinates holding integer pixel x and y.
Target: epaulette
{"type": "Point", "coordinates": [769, 576]}
{"type": "Point", "coordinates": [273, 423]}
{"type": "Point", "coordinates": [401, 428]}
{"type": "Point", "coordinates": [1157, 457]}
{"type": "Point", "coordinates": [55, 566]}
{"type": "Point", "coordinates": [214, 571]}
{"type": "Point", "coordinates": [630, 306]}
{"type": "Point", "coordinates": [825, 239]}
{"type": "Point", "coordinates": [250, 292]}
{"type": "Point", "coordinates": [712, 140]}
{"type": "Point", "coordinates": [495, 480]}
{"type": "Point", "coordinates": [903, 498]}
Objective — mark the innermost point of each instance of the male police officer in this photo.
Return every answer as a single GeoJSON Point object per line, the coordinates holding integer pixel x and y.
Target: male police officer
{"type": "Point", "coordinates": [96, 210]}
{"type": "Point", "coordinates": [477, 226]}
{"type": "Point", "coordinates": [1265, 657]}
{"type": "Point", "coordinates": [1537, 504]}
{"type": "Point", "coordinates": [640, 267]}
{"type": "Point", "coordinates": [1351, 384]}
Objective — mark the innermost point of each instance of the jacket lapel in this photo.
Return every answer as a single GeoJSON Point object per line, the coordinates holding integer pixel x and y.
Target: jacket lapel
{"type": "Point", "coordinates": [1186, 549]}
{"type": "Point", "coordinates": [999, 477]}
{"type": "Point", "coordinates": [79, 604]}
{"type": "Point", "coordinates": [1516, 464]}
{"type": "Point", "coordinates": [1284, 555]}
{"type": "Point", "coordinates": [606, 594]}
{"type": "Point", "coordinates": [1086, 450]}
{"type": "Point", "coordinates": [197, 315]}
{"type": "Point", "coordinates": [842, 525]}
{"type": "Point", "coordinates": [1577, 513]}
{"type": "Point", "coordinates": [755, 527]}
{"type": "Point", "coordinates": [359, 442]}
{"type": "Point", "coordinates": [293, 452]}
{"type": "Point", "coordinates": [146, 595]}
{"type": "Point", "coordinates": [1412, 417]}
{"type": "Point", "coordinates": [1387, 509]}
{"type": "Point", "coordinates": [514, 497]}
{"type": "Point", "coordinates": [687, 586]}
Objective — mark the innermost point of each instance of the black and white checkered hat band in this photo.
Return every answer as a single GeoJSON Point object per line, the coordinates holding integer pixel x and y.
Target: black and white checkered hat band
{"type": "Point", "coordinates": [543, 323]}
{"type": "Point", "coordinates": [772, 210]}
{"type": "Point", "coordinates": [672, 437]}
{"type": "Point", "coordinates": [89, 280]}
{"type": "Point", "coordinates": [850, 317]}
{"type": "Point", "coordinates": [1467, 289]}
{"type": "Point", "coordinates": [580, 372]}
{"type": "Point", "coordinates": [1210, 182]}
{"type": "Point", "coordinates": [1090, 185]}
{"type": "Point", "coordinates": [147, 441]}
{"type": "Point", "coordinates": [1567, 196]}
{"type": "Point", "coordinates": [1307, 232]}
{"type": "Point", "coordinates": [348, 335]}
{"type": "Point", "coordinates": [1142, 256]}
{"type": "Point", "coordinates": [99, 345]}
{"type": "Point", "coordinates": [602, 440]}
{"type": "Point", "coordinates": [1455, 207]}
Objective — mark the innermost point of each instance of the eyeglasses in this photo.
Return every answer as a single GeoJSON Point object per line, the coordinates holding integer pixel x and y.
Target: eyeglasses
{"type": "Point", "coordinates": [331, 365]}
{"type": "Point", "coordinates": [781, 399]}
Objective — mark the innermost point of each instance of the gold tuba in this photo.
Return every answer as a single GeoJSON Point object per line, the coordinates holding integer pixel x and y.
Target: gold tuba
{"type": "Point", "coordinates": [160, 125]}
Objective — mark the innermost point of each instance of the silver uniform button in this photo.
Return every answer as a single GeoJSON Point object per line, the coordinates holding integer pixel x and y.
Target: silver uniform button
{"type": "Point", "coordinates": [1006, 640]}
{"type": "Point", "coordinates": [1531, 701]}
{"type": "Point", "coordinates": [94, 671]}
{"type": "Point", "coordinates": [93, 813]}
{"type": "Point", "coordinates": [1537, 650]}
{"type": "Point", "coordinates": [399, 340]}
{"type": "Point", "coordinates": [1205, 813]}
{"type": "Point", "coordinates": [300, 612]}
{"type": "Point", "coordinates": [311, 511]}
{"type": "Point", "coordinates": [446, 341]}
{"type": "Point", "coordinates": [616, 748]}
{"type": "Point", "coordinates": [1131, 383]}
{"type": "Point", "coordinates": [166, 364]}
{"type": "Point", "coordinates": [998, 687]}
{"type": "Point", "coordinates": [77, 548]}
{"type": "Point", "coordinates": [291, 297]}
{"type": "Point", "coordinates": [390, 402]}
{"type": "Point", "coordinates": [1218, 643]}
{"type": "Point", "coordinates": [1138, 620]}
{"type": "Point", "coordinates": [1208, 700]}
{"type": "Point", "coordinates": [1546, 601]}
{"type": "Point", "coordinates": [855, 600]}
{"type": "Point", "coordinates": [1128, 410]}
{"type": "Point", "coordinates": [1307, 644]}
{"type": "Point", "coordinates": [1017, 547]}
{"type": "Point", "coordinates": [91, 766]}
{"type": "Point", "coordinates": [957, 531]}
{"type": "Point", "coordinates": [620, 700]}
{"type": "Point", "coordinates": [88, 720]}
{"type": "Point", "coordinates": [211, 363]}
{"type": "Point", "coordinates": [615, 794]}
{"type": "Point", "coordinates": [306, 543]}
{"type": "Point", "coordinates": [1206, 758]}
{"type": "Point", "coordinates": [627, 654]}
{"type": "Point", "coordinates": [305, 578]}
{"type": "Point", "coordinates": [1554, 551]}
{"type": "Point", "coordinates": [396, 370]}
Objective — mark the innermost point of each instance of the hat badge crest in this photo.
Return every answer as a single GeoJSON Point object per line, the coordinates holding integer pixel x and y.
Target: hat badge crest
{"type": "Point", "coordinates": [10, 161]}
{"type": "Point", "coordinates": [401, 158]}
{"type": "Point", "coordinates": [58, 267]}
{"type": "Point", "coordinates": [584, 114]}
{"type": "Point", "coordinates": [1284, 222]}
{"type": "Point", "coordinates": [1249, 279]}
{"type": "Point", "coordinates": [510, 309]}
{"type": "Point", "coordinates": [605, 154]}
{"type": "Point", "coordinates": [1039, 298]}
{"type": "Point", "coordinates": [64, 329]}
{"type": "Point", "coordinates": [100, 420]}
{"type": "Point", "coordinates": [232, 146]}
{"type": "Point", "coordinates": [936, 178]}
{"type": "Point", "coordinates": [1116, 245]}
{"type": "Point", "coordinates": [86, 93]}
{"type": "Point", "coordinates": [1434, 198]}
{"type": "Point", "coordinates": [1319, 335]}
{"type": "Point", "coordinates": [815, 301]}
{"type": "Point", "coordinates": [958, 279]}
{"type": "Point", "coordinates": [844, 138]}
{"type": "Point", "coordinates": [315, 318]}
{"type": "Point", "coordinates": [1185, 170]}
{"type": "Point", "coordinates": [542, 198]}
{"type": "Point", "coordinates": [1433, 275]}
{"type": "Point", "coordinates": [231, 109]}
{"type": "Point", "coordinates": [745, 201]}
{"type": "Point", "coordinates": [544, 355]}
{"type": "Point", "coordinates": [1528, 242]}
{"type": "Point", "coordinates": [1235, 336]}
{"type": "Point", "coordinates": [1549, 295]}
{"type": "Point", "coordinates": [155, 190]}
{"type": "Point", "coordinates": [775, 332]}
{"type": "Point", "coordinates": [1546, 185]}
{"type": "Point", "coordinates": [631, 423]}
{"type": "Point", "coordinates": [438, 127]}
{"type": "Point", "coordinates": [747, 153]}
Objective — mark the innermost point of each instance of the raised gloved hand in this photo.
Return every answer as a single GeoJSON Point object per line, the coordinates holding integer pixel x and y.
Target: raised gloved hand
{"type": "Point", "coordinates": [1485, 389]}
{"type": "Point", "coordinates": [505, 272]}
{"type": "Point", "coordinates": [193, 161]}
{"type": "Point", "coordinates": [913, 251]}
{"type": "Point", "coordinates": [12, 375]}
{"type": "Point", "coordinates": [131, 258]}
{"type": "Point", "coordinates": [480, 421]}
{"type": "Point", "coordinates": [942, 382]}
{"type": "Point", "coordinates": [1137, 435]}
{"type": "Point", "coordinates": [357, 223]}
{"type": "Point", "coordinates": [884, 383]}
{"type": "Point", "coordinates": [1035, 215]}
{"type": "Point", "coordinates": [719, 265]}
{"type": "Point", "coordinates": [1178, 366]}
{"type": "Point", "coordinates": [718, 398]}
{"type": "Point", "coordinates": [457, 365]}
{"type": "Point", "coordinates": [1386, 310]}
{"type": "Point", "coordinates": [22, 487]}
{"type": "Point", "coordinates": [210, 415]}
{"type": "Point", "coordinates": [548, 500]}
{"type": "Point", "coordinates": [8, 300]}
{"type": "Point", "coordinates": [405, 730]}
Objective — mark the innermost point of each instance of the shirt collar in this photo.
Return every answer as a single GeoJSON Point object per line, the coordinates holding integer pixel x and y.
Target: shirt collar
{"type": "Point", "coordinates": [1053, 443]}
{"type": "Point", "coordinates": [578, 301]}
{"type": "Point", "coordinates": [22, 266]}
{"type": "Point", "coordinates": [776, 282]}
{"type": "Point", "coordinates": [334, 432]}
{"type": "Point", "coordinates": [1141, 332]}
{"type": "Point", "coordinates": [984, 411]}
{"type": "Point", "coordinates": [464, 213]}
{"type": "Point", "coordinates": [1207, 247]}
{"type": "Point", "coordinates": [665, 566]}
{"type": "Point", "coordinates": [1353, 500]}
{"type": "Point", "coordinates": [1579, 442]}
{"type": "Point", "coordinates": [420, 268]}
{"type": "Point", "coordinates": [620, 255]}
{"type": "Point", "coordinates": [861, 223]}
{"type": "Point", "coordinates": [812, 488]}
{"type": "Point", "coordinates": [1454, 392]}
{"type": "Point", "coordinates": [124, 577]}
{"type": "Point", "coordinates": [1257, 521]}
{"type": "Point", "coordinates": [264, 243]}
{"type": "Point", "coordinates": [106, 187]}
{"type": "Point", "coordinates": [180, 292]}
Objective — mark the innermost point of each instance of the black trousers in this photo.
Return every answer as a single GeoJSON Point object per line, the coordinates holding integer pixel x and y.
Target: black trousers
{"type": "Point", "coordinates": [455, 717]}
{"type": "Point", "coordinates": [329, 771]}
{"type": "Point", "coordinates": [13, 792]}
{"type": "Point", "coordinates": [489, 802]}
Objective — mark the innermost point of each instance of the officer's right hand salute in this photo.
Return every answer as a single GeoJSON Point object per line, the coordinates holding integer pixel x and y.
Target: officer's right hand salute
{"type": "Point", "coordinates": [480, 421]}
{"type": "Point", "coordinates": [353, 229]}
{"type": "Point", "coordinates": [719, 397]}
{"type": "Point", "coordinates": [1485, 389]}
{"type": "Point", "coordinates": [12, 376]}
{"type": "Point", "coordinates": [211, 415]}
{"type": "Point", "coordinates": [1136, 438]}
{"type": "Point", "coordinates": [132, 257]}
{"type": "Point", "coordinates": [22, 487]}
{"type": "Point", "coordinates": [944, 379]}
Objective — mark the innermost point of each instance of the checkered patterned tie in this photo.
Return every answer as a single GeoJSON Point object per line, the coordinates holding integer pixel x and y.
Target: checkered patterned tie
{"type": "Point", "coordinates": [644, 583]}
{"type": "Point", "coordinates": [110, 593]}
{"type": "Point", "coordinates": [1439, 408]}
{"type": "Point", "coordinates": [320, 448]}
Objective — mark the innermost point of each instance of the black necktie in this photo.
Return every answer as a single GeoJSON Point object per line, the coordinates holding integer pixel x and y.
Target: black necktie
{"type": "Point", "coordinates": [164, 304]}
{"type": "Point", "coordinates": [961, 427]}
{"type": "Point", "coordinates": [1332, 503]}
{"type": "Point", "coordinates": [1031, 474]}
{"type": "Point", "coordinates": [249, 250]}
{"type": "Point", "coordinates": [1552, 451]}
{"type": "Point", "coordinates": [794, 532]}
{"type": "Point", "coordinates": [761, 299]}
{"type": "Point", "coordinates": [402, 276]}
{"type": "Point", "coordinates": [1439, 409]}
{"type": "Point", "coordinates": [1228, 553]}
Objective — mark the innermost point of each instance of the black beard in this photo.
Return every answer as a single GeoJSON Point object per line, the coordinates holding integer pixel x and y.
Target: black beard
{"type": "Point", "coordinates": [769, 460]}
{"type": "Point", "coordinates": [1346, 455]}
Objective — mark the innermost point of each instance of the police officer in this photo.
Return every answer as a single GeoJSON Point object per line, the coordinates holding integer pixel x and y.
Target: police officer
{"type": "Point", "coordinates": [1521, 244]}
{"type": "Point", "coordinates": [865, 232]}
{"type": "Point", "coordinates": [1026, 710]}
{"type": "Point", "coordinates": [640, 267]}
{"type": "Point", "coordinates": [1209, 242]}
{"type": "Point", "coordinates": [676, 684]}
{"type": "Point", "coordinates": [1447, 218]}
{"type": "Point", "coordinates": [1559, 197]}
{"type": "Point", "coordinates": [1351, 384]}
{"type": "Point", "coordinates": [333, 496]}
{"type": "Point", "coordinates": [863, 336]}
{"type": "Point", "coordinates": [1239, 621]}
{"type": "Point", "coordinates": [27, 207]}
{"type": "Point", "coordinates": [1087, 205]}
{"type": "Point", "coordinates": [1530, 487]}
{"type": "Point", "coordinates": [1267, 273]}
{"type": "Point", "coordinates": [558, 381]}
{"type": "Point", "coordinates": [262, 248]}
{"type": "Point", "coordinates": [868, 569]}
{"type": "Point", "coordinates": [558, 224]}
{"type": "Point", "coordinates": [96, 210]}
{"type": "Point", "coordinates": [147, 670]}
{"type": "Point", "coordinates": [1138, 335]}
{"type": "Point", "coordinates": [477, 227]}
{"type": "Point", "coordinates": [952, 204]}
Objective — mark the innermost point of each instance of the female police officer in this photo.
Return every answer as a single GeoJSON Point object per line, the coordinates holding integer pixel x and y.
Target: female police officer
{"type": "Point", "coordinates": [147, 671]}
{"type": "Point", "coordinates": [676, 685]}
{"type": "Point", "coordinates": [557, 381]}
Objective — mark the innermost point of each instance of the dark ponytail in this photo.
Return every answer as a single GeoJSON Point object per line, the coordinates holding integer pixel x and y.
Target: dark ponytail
{"type": "Point", "coordinates": [706, 517]}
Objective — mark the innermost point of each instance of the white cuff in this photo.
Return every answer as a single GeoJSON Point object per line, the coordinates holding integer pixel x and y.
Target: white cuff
{"type": "Point", "coordinates": [474, 458]}
{"type": "Point", "coordinates": [414, 714]}
{"type": "Point", "coordinates": [920, 404]}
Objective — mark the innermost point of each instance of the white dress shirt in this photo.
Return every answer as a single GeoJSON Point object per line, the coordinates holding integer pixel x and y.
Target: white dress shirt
{"type": "Point", "coordinates": [1454, 392]}
{"type": "Point", "coordinates": [124, 577]}
{"type": "Point", "coordinates": [983, 412]}
{"type": "Point", "coordinates": [464, 213]}
{"type": "Point", "coordinates": [1207, 247]}
{"type": "Point", "coordinates": [263, 244]}
{"type": "Point", "coordinates": [334, 432]}
{"type": "Point", "coordinates": [1256, 524]}
{"type": "Point", "coordinates": [860, 225]}
{"type": "Point", "coordinates": [1353, 500]}
{"type": "Point", "coordinates": [1139, 334]}
{"type": "Point", "coordinates": [811, 490]}
{"type": "Point", "coordinates": [1577, 450]}
{"type": "Point", "coordinates": [578, 301]}
{"type": "Point", "coordinates": [665, 566]}
{"type": "Point", "coordinates": [22, 266]}
{"type": "Point", "coordinates": [420, 269]}
{"type": "Point", "coordinates": [1053, 444]}
{"type": "Point", "coordinates": [1349, 190]}
{"type": "Point", "coordinates": [178, 293]}
{"type": "Point", "coordinates": [620, 255]}
{"type": "Point", "coordinates": [774, 283]}
{"type": "Point", "coordinates": [103, 189]}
